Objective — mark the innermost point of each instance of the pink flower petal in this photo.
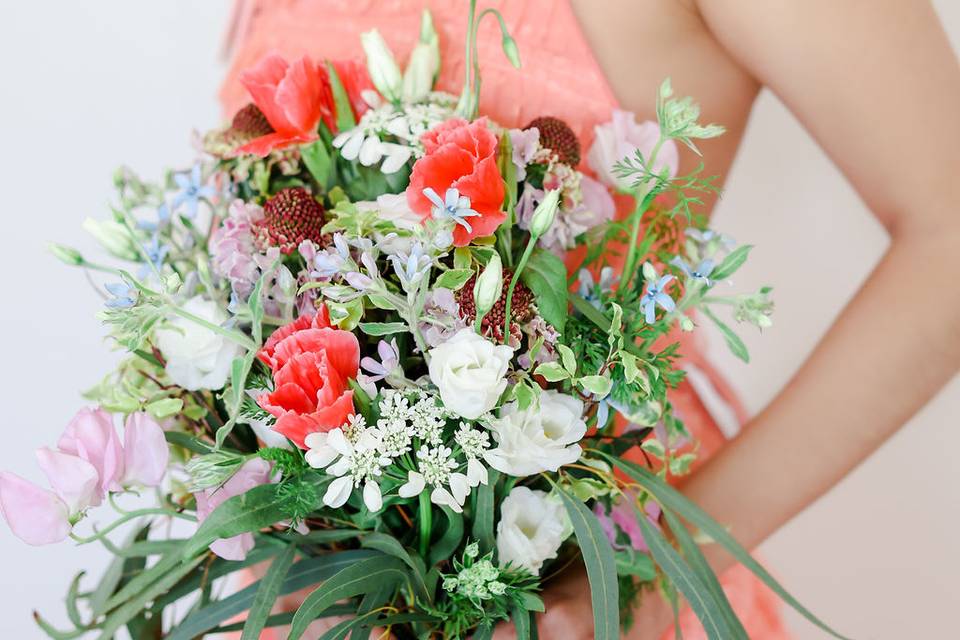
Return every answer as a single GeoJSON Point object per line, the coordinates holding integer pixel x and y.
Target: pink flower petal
{"type": "Point", "coordinates": [35, 515]}
{"type": "Point", "coordinates": [74, 479]}
{"type": "Point", "coordinates": [145, 451]}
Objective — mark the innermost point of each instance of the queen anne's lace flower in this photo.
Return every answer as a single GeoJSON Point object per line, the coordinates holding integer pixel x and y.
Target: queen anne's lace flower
{"type": "Point", "coordinates": [474, 444]}
{"type": "Point", "coordinates": [436, 467]}
{"type": "Point", "coordinates": [358, 463]}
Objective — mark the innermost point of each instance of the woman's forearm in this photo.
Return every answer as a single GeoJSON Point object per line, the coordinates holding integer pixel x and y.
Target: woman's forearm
{"type": "Point", "coordinates": [896, 343]}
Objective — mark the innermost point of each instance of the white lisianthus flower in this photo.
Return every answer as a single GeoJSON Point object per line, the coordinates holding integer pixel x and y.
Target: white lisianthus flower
{"type": "Point", "coordinates": [531, 529]}
{"type": "Point", "coordinates": [197, 358]}
{"type": "Point", "coordinates": [470, 372]}
{"type": "Point", "coordinates": [537, 439]}
{"type": "Point", "coordinates": [621, 138]}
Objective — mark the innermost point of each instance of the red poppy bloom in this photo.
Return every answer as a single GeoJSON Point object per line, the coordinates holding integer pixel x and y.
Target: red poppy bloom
{"type": "Point", "coordinates": [461, 156]}
{"type": "Point", "coordinates": [294, 98]}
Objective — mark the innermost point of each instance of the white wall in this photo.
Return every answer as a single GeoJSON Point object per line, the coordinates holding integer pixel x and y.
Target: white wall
{"type": "Point", "coordinates": [89, 84]}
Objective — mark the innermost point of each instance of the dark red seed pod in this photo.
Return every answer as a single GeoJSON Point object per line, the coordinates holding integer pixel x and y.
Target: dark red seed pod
{"type": "Point", "coordinates": [250, 122]}
{"type": "Point", "coordinates": [556, 135]}
{"type": "Point", "coordinates": [521, 307]}
{"type": "Point", "coordinates": [290, 217]}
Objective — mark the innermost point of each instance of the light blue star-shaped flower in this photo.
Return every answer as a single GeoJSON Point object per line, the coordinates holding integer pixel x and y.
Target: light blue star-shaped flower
{"type": "Point", "coordinates": [701, 272]}
{"type": "Point", "coordinates": [123, 295]}
{"type": "Point", "coordinates": [655, 297]}
{"type": "Point", "coordinates": [452, 206]}
{"type": "Point", "coordinates": [192, 191]}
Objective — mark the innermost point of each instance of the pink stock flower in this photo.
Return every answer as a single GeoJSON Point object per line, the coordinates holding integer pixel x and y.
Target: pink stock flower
{"type": "Point", "coordinates": [252, 474]}
{"type": "Point", "coordinates": [623, 518]}
{"type": "Point", "coordinates": [90, 462]}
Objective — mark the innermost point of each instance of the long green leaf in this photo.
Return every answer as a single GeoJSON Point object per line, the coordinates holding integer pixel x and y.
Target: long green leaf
{"type": "Point", "coordinates": [448, 543]}
{"type": "Point", "coordinates": [521, 622]}
{"type": "Point", "coordinates": [731, 263]}
{"type": "Point", "coordinates": [546, 276]}
{"type": "Point", "coordinates": [250, 511]}
{"type": "Point", "coordinates": [699, 565]}
{"type": "Point", "coordinates": [267, 593]}
{"type": "Point", "coordinates": [391, 546]}
{"type": "Point", "coordinates": [134, 606]}
{"type": "Point", "coordinates": [358, 578]}
{"type": "Point", "coordinates": [303, 574]}
{"type": "Point", "coordinates": [734, 343]}
{"type": "Point", "coordinates": [692, 588]}
{"type": "Point", "coordinates": [484, 513]}
{"type": "Point", "coordinates": [601, 568]}
{"type": "Point", "coordinates": [673, 500]}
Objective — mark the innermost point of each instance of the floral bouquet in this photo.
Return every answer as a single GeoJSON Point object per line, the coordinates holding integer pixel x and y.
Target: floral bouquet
{"type": "Point", "coordinates": [399, 356]}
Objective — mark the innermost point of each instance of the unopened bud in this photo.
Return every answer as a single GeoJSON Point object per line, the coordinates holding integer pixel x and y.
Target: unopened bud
{"type": "Point", "coordinates": [511, 51]}
{"type": "Point", "coordinates": [424, 63]}
{"type": "Point", "coordinates": [382, 66]}
{"type": "Point", "coordinates": [487, 289]}
{"type": "Point", "coordinates": [65, 254]}
{"type": "Point", "coordinates": [545, 213]}
{"type": "Point", "coordinates": [212, 469]}
{"type": "Point", "coordinates": [114, 237]}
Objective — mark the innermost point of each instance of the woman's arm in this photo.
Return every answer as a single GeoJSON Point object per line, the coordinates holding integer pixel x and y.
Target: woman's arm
{"type": "Point", "coordinates": [876, 83]}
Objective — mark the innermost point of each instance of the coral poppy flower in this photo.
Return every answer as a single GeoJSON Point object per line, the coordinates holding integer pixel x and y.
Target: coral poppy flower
{"type": "Point", "coordinates": [312, 364]}
{"type": "Point", "coordinates": [458, 179]}
{"type": "Point", "coordinates": [293, 98]}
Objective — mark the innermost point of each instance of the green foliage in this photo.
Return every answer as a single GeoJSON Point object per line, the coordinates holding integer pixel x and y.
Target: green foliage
{"type": "Point", "coordinates": [546, 276]}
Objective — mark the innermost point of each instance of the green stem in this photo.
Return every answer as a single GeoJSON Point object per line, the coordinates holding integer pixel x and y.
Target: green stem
{"type": "Point", "coordinates": [426, 523]}
{"type": "Point", "coordinates": [643, 204]}
{"type": "Point", "coordinates": [513, 284]}
{"type": "Point", "coordinates": [131, 515]}
{"type": "Point", "coordinates": [466, 98]}
{"type": "Point", "coordinates": [233, 336]}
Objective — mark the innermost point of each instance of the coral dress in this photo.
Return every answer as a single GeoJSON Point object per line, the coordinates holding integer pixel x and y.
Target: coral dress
{"type": "Point", "coordinates": [559, 77]}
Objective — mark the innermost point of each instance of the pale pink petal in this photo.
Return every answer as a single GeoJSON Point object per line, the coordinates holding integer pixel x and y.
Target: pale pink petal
{"type": "Point", "coordinates": [145, 451]}
{"type": "Point", "coordinates": [35, 515]}
{"type": "Point", "coordinates": [235, 548]}
{"type": "Point", "coordinates": [91, 436]}
{"type": "Point", "coordinates": [73, 479]}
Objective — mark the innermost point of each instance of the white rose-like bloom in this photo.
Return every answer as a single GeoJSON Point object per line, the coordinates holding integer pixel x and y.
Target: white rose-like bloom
{"type": "Point", "coordinates": [537, 439]}
{"type": "Point", "coordinates": [197, 358]}
{"type": "Point", "coordinates": [622, 137]}
{"type": "Point", "coordinates": [470, 372]}
{"type": "Point", "coordinates": [531, 529]}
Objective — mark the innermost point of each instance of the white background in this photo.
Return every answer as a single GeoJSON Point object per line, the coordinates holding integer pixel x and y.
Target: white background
{"type": "Point", "coordinates": [88, 84]}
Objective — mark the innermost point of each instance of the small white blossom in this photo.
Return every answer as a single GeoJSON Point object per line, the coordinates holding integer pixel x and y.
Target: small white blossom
{"type": "Point", "coordinates": [474, 444]}
{"type": "Point", "coordinates": [437, 468]}
{"type": "Point", "coordinates": [358, 463]}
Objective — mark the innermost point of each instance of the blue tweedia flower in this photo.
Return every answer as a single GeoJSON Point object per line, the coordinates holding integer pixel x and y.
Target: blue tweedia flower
{"type": "Point", "coordinates": [192, 191]}
{"type": "Point", "coordinates": [590, 290]}
{"type": "Point", "coordinates": [452, 206]}
{"type": "Point", "coordinates": [163, 217]}
{"type": "Point", "coordinates": [411, 267]}
{"type": "Point", "coordinates": [706, 236]}
{"type": "Point", "coordinates": [156, 254]}
{"type": "Point", "coordinates": [124, 296]}
{"type": "Point", "coordinates": [701, 272]}
{"type": "Point", "coordinates": [654, 297]}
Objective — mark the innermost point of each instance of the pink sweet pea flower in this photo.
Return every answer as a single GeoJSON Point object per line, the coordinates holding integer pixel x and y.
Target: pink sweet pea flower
{"type": "Point", "coordinates": [90, 435]}
{"type": "Point", "coordinates": [145, 451]}
{"type": "Point", "coordinates": [252, 474]}
{"type": "Point", "coordinates": [35, 515]}
{"type": "Point", "coordinates": [621, 138]}
{"type": "Point", "coordinates": [73, 479]}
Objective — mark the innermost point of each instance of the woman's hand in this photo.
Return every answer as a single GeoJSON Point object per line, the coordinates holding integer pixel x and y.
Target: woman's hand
{"type": "Point", "coordinates": [569, 613]}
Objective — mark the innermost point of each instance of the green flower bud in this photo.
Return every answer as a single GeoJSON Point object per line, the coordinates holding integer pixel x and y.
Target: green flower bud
{"type": "Point", "coordinates": [686, 324]}
{"type": "Point", "coordinates": [212, 470]}
{"type": "Point", "coordinates": [114, 237]}
{"type": "Point", "coordinates": [487, 289]}
{"type": "Point", "coordinates": [649, 272]}
{"type": "Point", "coordinates": [472, 550]}
{"type": "Point", "coordinates": [545, 213]}
{"type": "Point", "coordinates": [511, 51]}
{"type": "Point", "coordinates": [65, 254]}
{"type": "Point", "coordinates": [382, 66]}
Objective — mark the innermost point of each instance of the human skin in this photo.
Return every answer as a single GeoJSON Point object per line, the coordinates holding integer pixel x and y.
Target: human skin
{"type": "Point", "coordinates": [876, 83]}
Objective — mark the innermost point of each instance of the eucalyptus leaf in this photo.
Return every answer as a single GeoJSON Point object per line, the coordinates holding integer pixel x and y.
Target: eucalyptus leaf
{"type": "Point", "coordinates": [453, 279]}
{"type": "Point", "coordinates": [546, 275]}
{"type": "Point", "coordinates": [382, 328]}
{"type": "Point", "coordinates": [484, 513]}
{"type": "Point", "coordinates": [257, 508]}
{"type": "Point", "coordinates": [601, 568]}
{"type": "Point", "coordinates": [267, 593]}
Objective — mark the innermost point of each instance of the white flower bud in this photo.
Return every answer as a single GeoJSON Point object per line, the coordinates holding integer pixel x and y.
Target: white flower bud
{"type": "Point", "coordinates": [424, 62]}
{"type": "Point", "coordinates": [114, 237]}
{"type": "Point", "coordinates": [488, 287]}
{"type": "Point", "coordinates": [545, 213]}
{"type": "Point", "coordinates": [382, 66]}
{"type": "Point", "coordinates": [66, 254]}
